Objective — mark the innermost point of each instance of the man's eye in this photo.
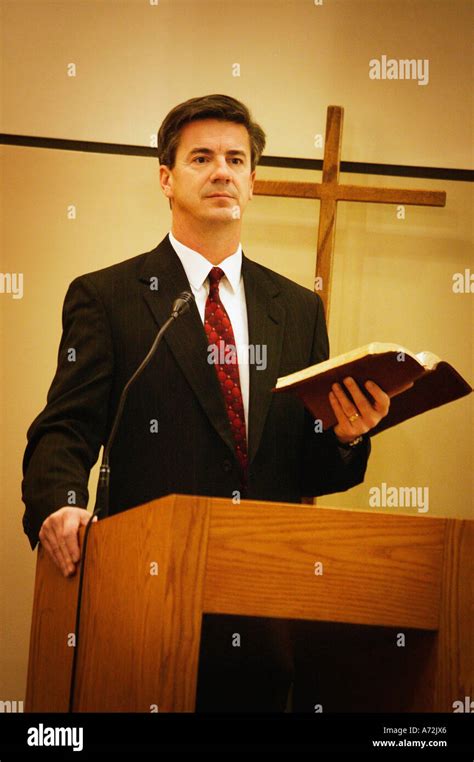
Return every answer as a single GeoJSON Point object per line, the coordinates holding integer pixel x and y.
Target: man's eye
{"type": "Point", "coordinates": [235, 159]}
{"type": "Point", "coordinates": [200, 159]}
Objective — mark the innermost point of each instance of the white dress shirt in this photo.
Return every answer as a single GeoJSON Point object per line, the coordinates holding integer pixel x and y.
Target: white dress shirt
{"type": "Point", "coordinates": [232, 294]}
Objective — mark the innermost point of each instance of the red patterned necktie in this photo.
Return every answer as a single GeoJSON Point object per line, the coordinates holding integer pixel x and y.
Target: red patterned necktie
{"type": "Point", "coordinates": [220, 336]}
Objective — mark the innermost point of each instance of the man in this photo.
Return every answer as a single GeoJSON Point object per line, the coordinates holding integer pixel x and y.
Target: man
{"type": "Point", "coordinates": [194, 422]}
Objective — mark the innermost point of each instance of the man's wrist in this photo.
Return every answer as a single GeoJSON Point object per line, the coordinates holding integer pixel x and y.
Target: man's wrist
{"type": "Point", "coordinates": [351, 444]}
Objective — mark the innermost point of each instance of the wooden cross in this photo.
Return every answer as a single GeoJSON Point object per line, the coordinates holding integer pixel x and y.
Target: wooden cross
{"type": "Point", "coordinates": [329, 191]}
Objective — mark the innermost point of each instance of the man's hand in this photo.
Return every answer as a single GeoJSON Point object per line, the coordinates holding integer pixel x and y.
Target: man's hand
{"type": "Point", "coordinates": [58, 535]}
{"type": "Point", "coordinates": [357, 416]}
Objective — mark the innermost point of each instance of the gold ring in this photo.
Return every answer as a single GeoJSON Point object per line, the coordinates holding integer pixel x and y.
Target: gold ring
{"type": "Point", "coordinates": [353, 417]}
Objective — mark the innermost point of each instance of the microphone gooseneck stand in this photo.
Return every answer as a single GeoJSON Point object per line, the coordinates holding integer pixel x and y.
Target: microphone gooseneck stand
{"type": "Point", "coordinates": [101, 508]}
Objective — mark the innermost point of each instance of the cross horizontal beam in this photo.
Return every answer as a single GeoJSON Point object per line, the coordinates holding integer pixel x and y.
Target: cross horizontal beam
{"type": "Point", "coordinates": [336, 192]}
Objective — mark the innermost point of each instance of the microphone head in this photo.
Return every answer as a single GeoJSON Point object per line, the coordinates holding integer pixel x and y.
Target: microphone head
{"type": "Point", "coordinates": [182, 303]}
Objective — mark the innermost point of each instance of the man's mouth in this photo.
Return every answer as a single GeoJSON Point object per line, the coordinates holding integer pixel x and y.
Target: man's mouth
{"type": "Point", "coordinates": [220, 195]}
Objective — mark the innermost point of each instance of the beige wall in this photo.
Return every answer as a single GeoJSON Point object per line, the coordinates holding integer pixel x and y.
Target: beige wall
{"type": "Point", "coordinates": [392, 278]}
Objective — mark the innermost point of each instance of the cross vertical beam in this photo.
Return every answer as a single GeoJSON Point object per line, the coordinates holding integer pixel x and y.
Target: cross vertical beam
{"type": "Point", "coordinates": [328, 208]}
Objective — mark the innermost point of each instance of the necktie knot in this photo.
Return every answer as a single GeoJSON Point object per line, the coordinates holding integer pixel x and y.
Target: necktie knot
{"type": "Point", "coordinates": [215, 276]}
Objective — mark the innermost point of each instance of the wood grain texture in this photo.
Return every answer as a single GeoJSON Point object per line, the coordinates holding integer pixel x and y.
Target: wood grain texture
{"type": "Point", "coordinates": [289, 189]}
{"type": "Point", "coordinates": [328, 205]}
{"type": "Point", "coordinates": [382, 574]}
{"type": "Point", "coordinates": [377, 569]}
{"type": "Point", "coordinates": [140, 632]}
{"type": "Point", "coordinates": [51, 652]}
{"type": "Point", "coordinates": [455, 646]}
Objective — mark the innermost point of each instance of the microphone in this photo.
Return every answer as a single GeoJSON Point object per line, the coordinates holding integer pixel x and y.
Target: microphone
{"type": "Point", "coordinates": [181, 305]}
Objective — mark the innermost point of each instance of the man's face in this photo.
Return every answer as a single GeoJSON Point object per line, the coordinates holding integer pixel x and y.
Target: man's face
{"type": "Point", "coordinates": [211, 179]}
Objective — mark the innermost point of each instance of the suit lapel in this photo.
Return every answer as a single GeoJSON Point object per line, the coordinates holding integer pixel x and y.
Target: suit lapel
{"type": "Point", "coordinates": [266, 322]}
{"type": "Point", "coordinates": [186, 337]}
{"type": "Point", "coordinates": [187, 340]}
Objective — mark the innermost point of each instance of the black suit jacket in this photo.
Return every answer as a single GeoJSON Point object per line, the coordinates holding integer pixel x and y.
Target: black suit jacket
{"type": "Point", "coordinates": [110, 319]}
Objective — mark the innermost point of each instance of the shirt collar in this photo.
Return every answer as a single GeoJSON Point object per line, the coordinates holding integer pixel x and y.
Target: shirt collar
{"type": "Point", "coordinates": [197, 267]}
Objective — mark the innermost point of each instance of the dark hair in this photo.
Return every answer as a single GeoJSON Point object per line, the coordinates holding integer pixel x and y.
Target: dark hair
{"type": "Point", "coordinates": [221, 107]}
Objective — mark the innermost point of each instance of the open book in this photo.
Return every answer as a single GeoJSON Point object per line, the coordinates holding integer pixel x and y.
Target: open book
{"type": "Point", "coordinates": [391, 367]}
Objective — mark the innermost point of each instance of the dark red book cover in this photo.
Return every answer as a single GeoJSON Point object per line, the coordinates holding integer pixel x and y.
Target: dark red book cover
{"type": "Point", "coordinates": [431, 389]}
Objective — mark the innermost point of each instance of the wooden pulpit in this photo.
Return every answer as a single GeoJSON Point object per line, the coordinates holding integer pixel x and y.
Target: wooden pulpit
{"type": "Point", "coordinates": [153, 571]}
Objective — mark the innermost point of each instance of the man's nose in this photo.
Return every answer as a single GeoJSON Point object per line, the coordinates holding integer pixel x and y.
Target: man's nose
{"type": "Point", "coordinates": [220, 170]}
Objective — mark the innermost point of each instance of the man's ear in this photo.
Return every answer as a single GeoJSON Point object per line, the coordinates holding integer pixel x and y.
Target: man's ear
{"type": "Point", "coordinates": [166, 181]}
{"type": "Point", "coordinates": [252, 180]}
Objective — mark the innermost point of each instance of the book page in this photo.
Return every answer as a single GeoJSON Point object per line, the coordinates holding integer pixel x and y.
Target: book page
{"type": "Point", "coordinates": [428, 359]}
{"type": "Point", "coordinates": [375, 348]}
